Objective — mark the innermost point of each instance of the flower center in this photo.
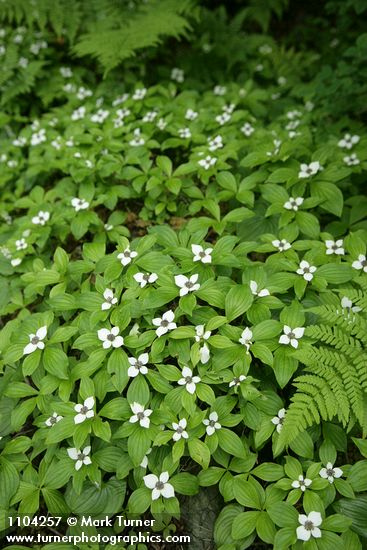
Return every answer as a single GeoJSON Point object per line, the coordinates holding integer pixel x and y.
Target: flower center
{"type": "Point", "coordinates": [306, 270]}
{"type": "Point", "coordinates": [202, 254]}
{"type": "Point", "coordinates": [52, 420]}
{"type": "Point", "coordinates": [159, 485]}
{"type": "Point", "coordinates": [291, 335]}
{"type": "Point", "coordinates": [140, 415]}
{"type": "Point", "coordinates": [84, 410]}
{"type": "Point", "coordinates": [164, 323]}
{"type": "Point", "coordinates": [188, 379]}
{"type": "Point", "coordinates": [236, 381]}
{"type": "Point", "coordinates": [179, 430]}
{"type": "Point", "coordinates": [189, 284]}
{"type": "Point", "coordinates": [35, 340]}
{"type": "Point", "coordinates": [364, 263]}
{"type": "Point", "coordinates": [308, 525]}
{"type": "Point", "coordinates": [212, 423]}
{"type": "Point", "coordinates": [330, 472]}
{"type": "Point", "coordinates": [111, 337]}
{"type": "Point", "coordinates": [138, 365]}
{"type": "Point", "coordinates": [81, 456]}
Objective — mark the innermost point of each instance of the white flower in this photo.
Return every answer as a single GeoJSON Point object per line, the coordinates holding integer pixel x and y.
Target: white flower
{"type": "Point", "coordinates": [237, 381]}
{"type": "Point", "coordinates": [41, 218]}
{"type": "Point", "coordinates": [150, 116]}
{"type": "Point", "coordinates": [144, 278]}
{"type": "Point", "coordinates": [35, 341]}
{"type": "Point", "coordinates": [164, 323]}
{"type": "Point", "coordinates": [351, 160]}
{"type": "Point", "coordinates": [256, 292]}
{"type": "Point", "coordinates": [277, 145]}
{"type": "Point", "coordinates": [281, 245]}
{"type": "Point", "coordinates": [204, 354]}
{"type": "Point", "coordinates": [348, 141]}
{"type": "Point", "coordinates": [161, 124]}
{"type": "Point", "coordinates": [246, 338]}
{"type": "Point", "coordinates": [188, 380]}
{"type": "Point", "coordinates": [330, 473]}
{"type": "Point", "coordinates": [110, 299]}
{"type": "Point", "coordinates": [53, 419]}
{"type": "Point", "coordinates": [140, 415]}
{"type": "Point", "coordinates": [23, 62]}
{"type": "Point", "coordinates": [144, 462]}
{"type": "Point", "coordinates": [306, 270]}
{"type": "Point", "coordinates": [108, 226]}
{"type": "Point", "coordinates": [137, 139]}
{"type": "Point", "coordinates": [178, 75]}
{"type": "Point", "coordinates": [83, 93]}
{"type": "Point", "coordinates": [301, 483]}
{"type": "Point", "coordinates": [186, 284]}
{"type": "Point", "coordinates": [361, 263]}
{"type": "Point", "coordinates": [308, 170]}
{"type": "Point", "coordinates": [84, 411]}
{"type": "Point", "coordinates": [265, 49]}
{"type": "Point", "coordinates": [79, 204]}
{"type": "Point", "coordinates": [110, 337]}
{"type": "Point", "coordinates": [334, 247]}
{"type": "Point", "coordinates": [282, 81]}
{"type": "Point", "coordinates": [208, 162]}
{"type": "Point", "coordinates": [212, 423]}
{"type": "Point", "coordinates": [184, 133]}
{"type": "Point", "coordinates": [247, 129]}
{"type": "Point", "coordinates": [191, 115]}
{"type": "Point", "coordinates": [100, 116]}
{"type": "Point", "coordinates": [139, 93]}
{"type": "Point", "coordinates": [79, 113]}
{"type": "Point", "coordinates": [81, 457]}
{"type": "Point", "coordinates": [291, 336]}
{"type": "Point", "coordinates": [21, 244]}
{"type": "Point", "coordinates": [138, 365]}
{"type": "Point", "coordinates": [309, 526]}
{"type": "Point", "coordinates": [159, 486]}
{"type": "Point", "coordinates": [180, 430]}
{"type": "Point", "coordinates": [215, 143]}
{"type": "Point", "coordinates": [201, 254]}
{"type": "Point", "coordinates": [126, 256]}
{"type": "Point", "coordinates": [347, 305]}
{"type": "Point", "coordinates": [120, 99]}
{"type": "Point", "coordinates": [293, 203]}
{"type": "Point", "coordinates": [66, 72]}
{"type": "Point", "coordinates": [223, 118]}
{"type": "Point", "coordinates": [219, 90]}
{"type": "Point", "coordinates": [278, 420]}
{"type": "Point", "coordinates": [15, 262]}
{"type": "Point", "coordinates": [201, 334]}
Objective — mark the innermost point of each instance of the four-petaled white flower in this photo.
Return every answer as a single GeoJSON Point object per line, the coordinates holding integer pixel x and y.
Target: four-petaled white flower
{"type": "Point", "coordinates": [207, 163]}
{"type": "Point", "coordinates": [139, 93]}
{"type": "Point", "coordinates": [191, 115]}
{"type": "Point", "coordinates": [84, 411]}
{"type": "Point", "coordinates": [293, 203]}
{"type": "Point", "coordinates": [281, 245]}
{"type": "Point", "coordinates": [53, 419]}
{"type": "Point", "coordinates": [184, 133]}
{"type": "Point", "coordinates": [180, 429]}
{"type": "Point", "coordinates": [348, 141]}
{"type": "Point", "coordinates": [330, 473]}
{"type": "Point", "coordinates": [309, 526]}
{"type": "Point", "coordinates": [246, 338]}
{"type": "Point", "coordinates": [334, 247]}
{"type": "Point", "coordinates": [361, 263]}
{"type": "Point", "coordinates": [126, 256]}
{"type": "Point", "coordinates": [140, 415]}
{"type": "Point", "coordinates": [35, 341]}
{"type": "Point", "coordinates": [110, 299]}
{"type": "Point", "coordinates": [188, 380]}
{"type": "Point", "coordinates": [278, 420]}
{"type": "Point", "coordinates": [178, 75]}
{"type": "Point", "coordinates": [237, 381]}
{"type": "Point", "coordinates": [21, 244]}
{"type": "Point", "coordinates": [110, 337]}
{"type": "Point", "coordinates": [247, 129]}
{"type": "Point", "coordinates": [215, 143]}
{"type": "Point", "coordinates": [256, 292]}
{"type": "Point", "coordinates": [347, 305]}
{"type": "Point", "coordinates": [351, 160]}
{"type": "Point", "coordinates": [306, 270]}
{"type": "Point", "coordinates": [187, 284]}
{"type": "Point", "coordinates": [144, 278]}
{"type": "Point", "coordinates": [79, 204]}
{"type": "Point", "coordinates": [308, 170]}
{"type": "Point", "coordinates": [138, 366]}
{"type": "Point", "coordinates": [201, 254]}
{"type": "Point", "coordinates": [301, 483]}
{"type": "Point", "coordinates": [159, 485]}
{"type": "Point", "coordinates": [81, 457]}
{"type": "Point", "coordinates": [41, 218]}
{"type": "Point", "coordinates": [164, 323]}
{"type": "Point", "coordinates": [291, 336]}
{"type": "Point", "coordinates": [212, 423]}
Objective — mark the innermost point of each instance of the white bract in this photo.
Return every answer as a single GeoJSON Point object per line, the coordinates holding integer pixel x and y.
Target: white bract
{"type": "Point", "coordinates": [139, 93]}
{"type": "Point", "coordinates": [247, 129]}
{"type": "Point", "coordinates": [281, 245]}
{"type": "Point", "coordinates": [53, 419]}
{"type": "Point", "coordinates": [212, 423]}
{"type": "Point", "coordinates": [330, 473]}
{"type": "Point", "coordinates": [41, 218]}
{"type": "Point", "coordinates": [110, 337]}
{"type": "Point", "coordinates": [291, 336]}
{"type": "Point", "coordinates": [308, 170]}
{"type": "Point", "coordinates": [256, 292]}
{"type": "Point", "coordinates": [361, 263]}
{"type": "Point", "coordinates": [278, 420]}
{"type": "Point", "coordinates": [301, 483]}
{"type": "Point", "coordinates": [137, 139]}
{"type": "Point", "coordinates": [138, 366]}
{"type": "Point", "coordinates": [84, 411]}
{"type": "Point", "coordinates": [184, 133]}
{"type": "Point", "coordinates": [81, 457]}
{"type": "Point", "coordinates": [334, 247]}
{"type": "Point", "coordinates": [144, 278]}
{"type": "Point", "coordinates": [351, 160]}
{"type": "Point", "coordinates": [159, 485]}
{"type": "Point", "coordinates": [223, 118]}
{"type": "Point", "coordinates": [144, 462]}
{"type": "Point", "coordinates": [140, 415]}
{"type": "Point", "coordinates": [126, 256]}
{"type": "Point", "coordinates": [237, 381]}
{"type": "Point", "coordinates": [219, 90]}
{"type": "Point", "coordinates": [79, 204]}
{"type": "Point", "coordinates": [246, 338]}
{"type": "Point", "coordinates": [348, 141]}
{"type": "Point", "coordinates": [201, 254]}
{"type": "Point", "coordinates": [187, 284]}
{"type": "Point", "coordinates": [293, 203]}
{"type": "Point", "coordinates": [309, 526]}
{"type": "Point", "coordinates": [188, 380]}
{"type": "Point", "coordinates": [215, 143]}
{"type": "Point", "coordinates": [191, 115]}
{"type": "Point", "coordinates": [110, 299]}
{"type": "Point", "coordinates": [207, 163]}
{"type": "Point", "coordinates": [164, 323]}
{"type": "Point", "coordinates": [306, 270]}
{"type": "Point", "coordinates": [20, 244]}
{"type": "Point", "coordinates": [204, 351]}
{"type": "Point", "coordinates": [35, 341]}
{"type": "Point", "coordinates": [178, 75]}
{"type": "Point", "coordinates": [180, 430]}
{"type": "Point", "coordinates": [348, 307]}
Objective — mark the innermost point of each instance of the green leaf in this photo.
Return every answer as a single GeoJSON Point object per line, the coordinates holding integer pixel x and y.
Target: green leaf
{"type": "Point", "coordinates": [55, 362]}
{"type": "Point", "coordinates": [244, 524]}
{"type": "Point", "coordinates": [238, 300]}
{"type": "Point", "coordinates": [199, 452]}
